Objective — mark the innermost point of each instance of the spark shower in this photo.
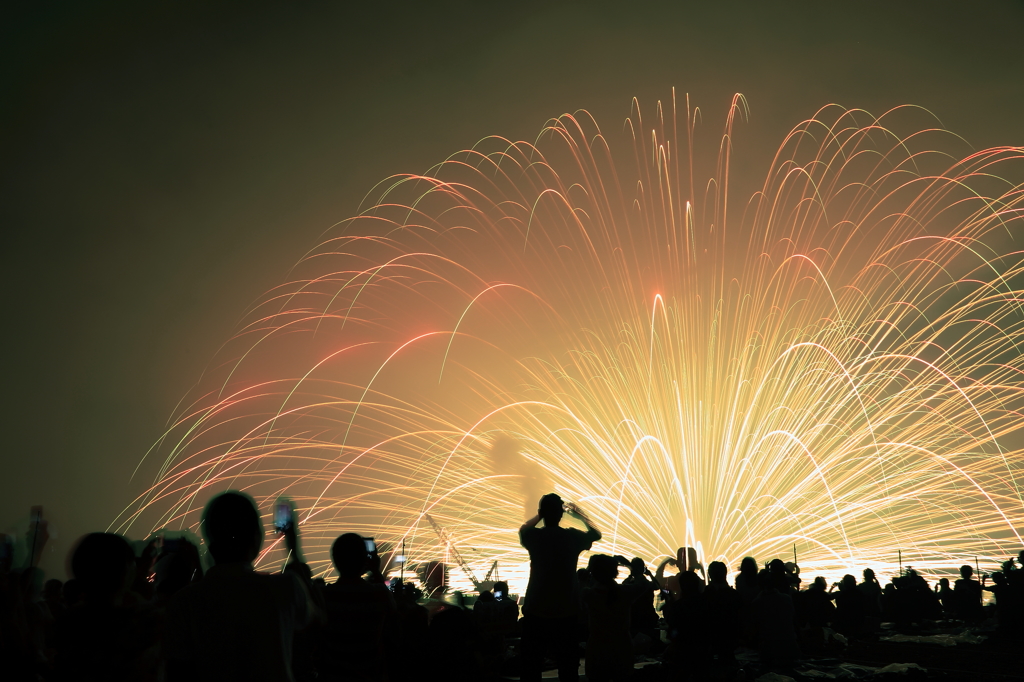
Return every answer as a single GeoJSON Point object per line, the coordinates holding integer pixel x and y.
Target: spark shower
{"type": "Point", "coordinates": [833, 361]}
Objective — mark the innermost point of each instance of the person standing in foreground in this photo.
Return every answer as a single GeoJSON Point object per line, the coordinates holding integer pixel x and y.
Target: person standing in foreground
{"type": "Point", "coordinates": [552, 595]}
{"type": "Point", "coordinates": [236, 624]}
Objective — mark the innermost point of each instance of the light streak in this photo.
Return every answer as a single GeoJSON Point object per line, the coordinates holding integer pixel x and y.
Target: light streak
{"type": "Point", "coordinates": [834, 362]}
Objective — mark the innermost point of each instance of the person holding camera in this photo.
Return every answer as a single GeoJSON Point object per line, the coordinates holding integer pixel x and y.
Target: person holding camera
{"type": "Point", "coordinates": [552, 595]}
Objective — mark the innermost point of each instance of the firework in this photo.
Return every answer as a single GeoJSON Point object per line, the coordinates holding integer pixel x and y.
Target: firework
{"type": "Point", "coordinates": [833, 361]}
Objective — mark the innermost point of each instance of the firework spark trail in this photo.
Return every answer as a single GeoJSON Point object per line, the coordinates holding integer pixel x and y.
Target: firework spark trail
{"type": "Point", "coordinates": [834, 362]}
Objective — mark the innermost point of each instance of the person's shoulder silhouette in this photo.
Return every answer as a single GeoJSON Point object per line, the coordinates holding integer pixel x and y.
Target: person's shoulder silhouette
{"type": "Point", "coordinates": [234, 623]}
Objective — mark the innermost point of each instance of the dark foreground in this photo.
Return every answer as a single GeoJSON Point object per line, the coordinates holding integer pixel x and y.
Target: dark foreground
{"type": "Point", "coordinates": [951, 654]}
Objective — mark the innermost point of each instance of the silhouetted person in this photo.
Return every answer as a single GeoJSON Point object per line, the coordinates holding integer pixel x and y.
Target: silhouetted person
{"type": "Point", "coordinates": [1015, 593]}
{"type": "Point", "coordinates": [235, 624]}
{"type": "Point", "coordinates": [773, 613]}
{"type": "Point", "coordinates": [497, 616]}
{"type": "Point", "coordinates": [872, 590]}
{"type": "Point", "coordinates": [506, 607]}
{"type": "Point", "coordinates": [780, 577]}
{"type": "Point", "coordinates": [144, 586]}
{"type": "Point", "coordinates": [407, 650]}
{"type": "Point", "coordinates": [176, 567]}
{"type": "Point", "coordinates": [452, 645]}
{"type": "Point", "coordinates": [967, 596]}
{"type": "Point", "coordinates": [609, 604]}
{"type": "Point", "coordinates": [747, 588]}
{"type": "Point", "coordinates": [689, 652]}
{"type": "Point", "coordinates": [53, 596]}
{"type": "Point", "coordinates": [946, 598]}
{"type": "Point", "coordinates": [37, 617]}
{"type": "Point", "coordinates": [851, 608]}
{"type": "Point", "coordinates": [643, 617]}
{"type": "Point", "coordinates": [816, 610]}
{"type": "Point", "coordinates": [912, 600]}
{"type": "Point", "coordinates": [747, 585]}
{"type": "Point", "coordinates": [686, 562]}
{"type": "Point", "coordinates": [552, 596]}
{"type": "Point", "coordinates": [104, 636]}
{"type": "Point", "coordinates": [793, 573]}
{"type": "Point", "coordinates": [722, 604]}
{"type": "Point", "coordinates": [361, 615]}
{"type": "Point", "coordinates": [1000, 589]}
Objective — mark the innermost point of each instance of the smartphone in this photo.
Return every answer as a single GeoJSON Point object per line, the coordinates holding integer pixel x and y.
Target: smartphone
{"type": "Point", "coordinates": [498, 594]}
{"type": "Point", "coordinates": [282, 515]}
{"type": "Point", "coordinates": [371, 545]}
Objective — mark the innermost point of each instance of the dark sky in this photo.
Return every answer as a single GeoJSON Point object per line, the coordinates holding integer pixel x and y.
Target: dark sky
{"type": "Point", "coordinates": [165, 163]}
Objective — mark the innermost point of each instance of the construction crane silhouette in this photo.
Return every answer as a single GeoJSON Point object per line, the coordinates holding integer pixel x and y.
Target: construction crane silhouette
{"type": "Point", "coordinates": [446, 537]}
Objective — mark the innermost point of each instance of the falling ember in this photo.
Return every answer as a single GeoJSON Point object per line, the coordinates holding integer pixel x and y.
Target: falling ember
{"type": "Point", "coordinates": [832, 362]}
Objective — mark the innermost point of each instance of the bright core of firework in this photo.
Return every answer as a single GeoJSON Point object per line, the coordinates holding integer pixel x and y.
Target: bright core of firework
{"type": "Point", "coordinates": [831, 363]}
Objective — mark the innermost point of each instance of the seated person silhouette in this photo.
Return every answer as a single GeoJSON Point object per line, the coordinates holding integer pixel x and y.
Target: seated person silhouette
{"type": "Point", "coordinates": [235, 624]}
{"type": "Point", "coordinates": [552, 600]}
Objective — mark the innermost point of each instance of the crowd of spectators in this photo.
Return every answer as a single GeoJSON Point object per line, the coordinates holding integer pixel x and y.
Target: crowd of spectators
{"type": "Point", "coordinates": [156, 615]}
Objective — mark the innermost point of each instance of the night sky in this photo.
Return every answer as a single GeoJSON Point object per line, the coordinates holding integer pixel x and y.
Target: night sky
{"type": "Point", "coordinates": [165, 163]}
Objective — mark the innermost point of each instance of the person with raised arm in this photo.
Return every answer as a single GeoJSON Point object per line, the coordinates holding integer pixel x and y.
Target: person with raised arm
{"type": "Point", "coordinates": [552, 600]}
{"type": "Point", "coordinates": [685, 560]}
{"type": "Point", "coordinates": [235, 623]}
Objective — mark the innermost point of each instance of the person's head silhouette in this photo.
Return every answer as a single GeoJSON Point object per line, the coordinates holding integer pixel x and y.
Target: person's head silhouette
{"type": "Point", "coordinates": [686, 559]}
{"type": "Point", "coordinates": [689, 584]}
{"type": "Point", "coordinates": [717, 573]}
{"type": "Point", "coordinates": [550, 509]}
{"type": "Point", "coordinates": [637, 567]}
{"type": "Point", "coordinates": [603, 569]}
{"type": "Point", "coordinates": [232, 528]}
{"type": "Point", "coordinates": [966, 572]}
{"type": "Point", "coordinates": [502, 587]}
{"type": "Point", "coordinates": [748, 566]}
{"type": "Point", "coordinates": [349, 555]}
{"type": "Point", "coordinates": [869, 575]}
{"type": "Point", "coordinates": [104, 566]}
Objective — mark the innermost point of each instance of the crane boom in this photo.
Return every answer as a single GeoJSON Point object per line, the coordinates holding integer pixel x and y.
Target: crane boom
{"type": "Point", "coordinates": [446, 538]}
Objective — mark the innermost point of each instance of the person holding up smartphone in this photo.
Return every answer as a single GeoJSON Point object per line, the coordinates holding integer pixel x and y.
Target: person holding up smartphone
{"type": "Point", "coordinates": [236, 623]}
{"type": "Point", "coordinates": [361, 613]}
{"type": "Point", "coordinates": [285, 524]}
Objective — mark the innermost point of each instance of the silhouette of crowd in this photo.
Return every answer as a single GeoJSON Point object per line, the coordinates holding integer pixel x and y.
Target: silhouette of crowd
{"type": "Point", "coordinates": [156, 615]}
